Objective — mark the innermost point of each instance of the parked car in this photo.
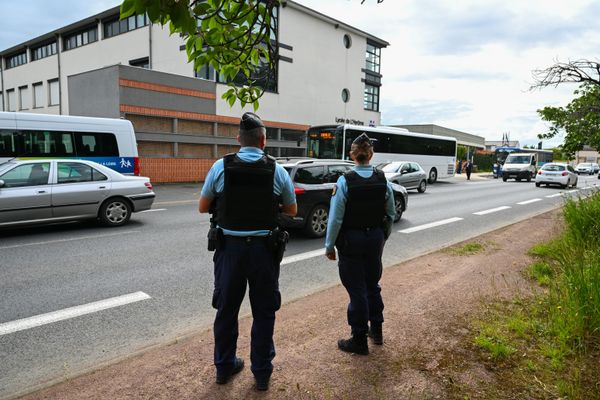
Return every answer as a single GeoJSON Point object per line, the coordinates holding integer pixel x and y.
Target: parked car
{"type": "Point", "coordinates": [406, 173]}
{"type": "Point", "coordinates": [556, 174]}
{"type": "Point", "coordinates": [596, 167]}
{"type": "Point", "coordinates": [54, 190]}
{"type": "Point", "coordinates": [313, 183]}
{"type": "Point", "coordinates": [584, 168]}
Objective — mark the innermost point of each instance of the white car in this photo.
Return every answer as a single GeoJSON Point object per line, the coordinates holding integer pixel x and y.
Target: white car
{"type": "Point", "coordinates": [585, 168]}
{"type": "Point", "coordinates": [556, 174]}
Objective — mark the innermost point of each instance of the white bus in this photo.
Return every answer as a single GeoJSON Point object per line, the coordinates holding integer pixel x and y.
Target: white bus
{"type": "Point", "coordinates": [110, 142]}
{"type": "Point", "coordinates": [435, 154]}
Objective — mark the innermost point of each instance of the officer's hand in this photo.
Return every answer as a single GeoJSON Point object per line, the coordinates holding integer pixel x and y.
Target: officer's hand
{"type": "Point", "coordinates": [330, 255]}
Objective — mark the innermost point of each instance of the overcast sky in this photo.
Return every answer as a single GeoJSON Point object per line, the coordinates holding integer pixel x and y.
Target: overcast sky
{"type": "Point", "coordinates": [461, 64]}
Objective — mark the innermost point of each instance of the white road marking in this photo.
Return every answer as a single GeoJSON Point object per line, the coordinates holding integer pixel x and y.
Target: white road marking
{"type": "Point", "coordinates": [554, 195]}
{"type": "Point", "coordinates": [573, 191]}
{"type": "Point", "coordinates": [302, 256]}
{"type": "Point", "coordinates": [66, 240]}
{"type": "Point", "coordinates": [153, 210]}
{"type": "Point", "coordinates": [176, 202]}
{"type": "Point", "coordinates": [587, 187]}
{"type": "Point", "coordinates": [430, 225]}
{"type": "Point", "coordinates": [71, 312]}
{"type": "Point", "coordinates": [529, 201]}
{"type": "Point", "coordinates": [491, 210]}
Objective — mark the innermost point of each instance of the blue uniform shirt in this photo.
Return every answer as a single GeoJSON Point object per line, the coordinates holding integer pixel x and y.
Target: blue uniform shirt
{"type": "Point", "coordinates": [337, 207]}
{"type": "Point", "coordinates": [215, 182]}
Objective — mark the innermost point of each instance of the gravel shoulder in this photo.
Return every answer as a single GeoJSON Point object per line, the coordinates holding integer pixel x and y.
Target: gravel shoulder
{"type": "Point", "coordinates": [429, 303]}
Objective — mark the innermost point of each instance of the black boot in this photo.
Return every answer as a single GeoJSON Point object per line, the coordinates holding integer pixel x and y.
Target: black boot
{"type": "Point", "coordinates": [356, 345]}
{"type": "Point", "coordinates": [376, 334]}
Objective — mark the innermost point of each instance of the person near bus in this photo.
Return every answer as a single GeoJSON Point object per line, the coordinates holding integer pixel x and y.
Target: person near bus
{"type": "Point", "coordinates": [469, 169]}
{"type": "Point", "coordinates": [247, 188]}
{"type": "Point", "coordinates": [360, 220]}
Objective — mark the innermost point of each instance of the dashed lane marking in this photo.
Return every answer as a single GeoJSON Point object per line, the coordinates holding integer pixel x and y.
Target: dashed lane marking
{"type": "Point", "coordinates": [154, 210]}
{"type": "Point", "coordinates": [430, 225]}
{"type": "Point", "coordinates": [302, 256]}
{"type": "Point", "coordinates": [491, 210]}
{"type": "Point", "coordinates": [554, 195]}
{"type": "Point", "coordinates": [529, 201]}
{"type": "Point", "coordinates": [71, 312]}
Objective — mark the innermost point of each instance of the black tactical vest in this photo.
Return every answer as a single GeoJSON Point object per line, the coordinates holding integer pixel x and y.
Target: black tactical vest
{"type": "Point", "coordinates": [247, 202]}
{"type": "Point", "coordinates": [365, 207]}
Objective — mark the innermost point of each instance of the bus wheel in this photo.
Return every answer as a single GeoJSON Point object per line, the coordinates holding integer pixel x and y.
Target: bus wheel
{"type": "Point", "coordinates": [432, 175]}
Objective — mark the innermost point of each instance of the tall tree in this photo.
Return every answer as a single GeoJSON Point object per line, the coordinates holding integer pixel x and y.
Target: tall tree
{"type": "Point", "coordinates": [237, 38]}
{"type": "Point", "coordinates": [580, 119]}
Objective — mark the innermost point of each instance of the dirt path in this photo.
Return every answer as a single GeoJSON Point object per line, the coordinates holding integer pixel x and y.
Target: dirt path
{"type": "Point", "coordinates": [428, 301]}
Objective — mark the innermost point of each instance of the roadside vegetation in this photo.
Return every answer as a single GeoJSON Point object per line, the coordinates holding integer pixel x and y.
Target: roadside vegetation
{"type": "Point", "coordinates": [548, 345]}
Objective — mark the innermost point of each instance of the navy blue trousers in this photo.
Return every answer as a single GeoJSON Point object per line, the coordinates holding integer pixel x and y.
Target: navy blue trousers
{"type": "Point", "coordinates": [237, 264]}
{"type": "Point", "coordinates": [360, 270]}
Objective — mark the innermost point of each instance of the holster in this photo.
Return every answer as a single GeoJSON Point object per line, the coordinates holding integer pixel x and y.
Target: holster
{"type": "Point", "coordinates": [215, 238]}
{"type": "Point", "coordinates": [278, 239]}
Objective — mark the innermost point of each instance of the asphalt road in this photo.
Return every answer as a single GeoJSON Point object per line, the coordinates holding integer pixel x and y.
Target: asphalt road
{"type": "Point", "coordinates": [76, 296]}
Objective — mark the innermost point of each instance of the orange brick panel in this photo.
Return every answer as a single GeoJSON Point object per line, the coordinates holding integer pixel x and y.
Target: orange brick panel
{"type": "Point", "coordinates": [166, 89]}
{"type": "Point", "coordinates": [174, 170]}
{"type": "Point", "coordinates": [195, 127]}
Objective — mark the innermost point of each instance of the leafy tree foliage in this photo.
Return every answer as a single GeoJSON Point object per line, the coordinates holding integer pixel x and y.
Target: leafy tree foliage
{"type": "Point", "coordinates": [237, 38]}
{"type": "Point", "coordinates": [580, 119]}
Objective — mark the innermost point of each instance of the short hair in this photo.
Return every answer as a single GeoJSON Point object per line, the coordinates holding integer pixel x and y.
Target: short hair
{"type": "Point", "coordinates": [252, 137]}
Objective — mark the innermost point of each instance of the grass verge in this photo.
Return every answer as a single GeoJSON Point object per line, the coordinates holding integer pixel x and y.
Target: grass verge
{"type": "Point", "coordinates": [548, 346]}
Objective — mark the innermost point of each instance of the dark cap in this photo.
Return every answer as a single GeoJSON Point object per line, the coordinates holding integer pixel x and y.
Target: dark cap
{"type": "Point", "coordinates": [250, 121]}
{"type": "Point", "coordinates": [362, 139]}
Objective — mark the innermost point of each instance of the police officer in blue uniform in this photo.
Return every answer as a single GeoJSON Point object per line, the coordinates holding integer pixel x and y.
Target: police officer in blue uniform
{"type": "Point", "coordinates": [360, 220]}
{"type": "Point", "coordinates": [248, 189]}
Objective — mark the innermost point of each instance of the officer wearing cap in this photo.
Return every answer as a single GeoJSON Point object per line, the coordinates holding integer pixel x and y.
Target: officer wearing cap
{"type": "Point", "coordinates": [360, 217]}
{"type": "Point", "coordinates": [248, 188]}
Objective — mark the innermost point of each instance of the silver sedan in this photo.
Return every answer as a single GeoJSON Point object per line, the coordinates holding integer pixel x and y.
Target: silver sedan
{"type": "Point", "coordinates": [45, 191]}
{"type": "Point", "coordinates": [406, 173]}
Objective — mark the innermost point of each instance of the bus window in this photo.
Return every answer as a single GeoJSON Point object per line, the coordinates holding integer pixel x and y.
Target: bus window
{"type": "Point", "coordinates": [88, 144]}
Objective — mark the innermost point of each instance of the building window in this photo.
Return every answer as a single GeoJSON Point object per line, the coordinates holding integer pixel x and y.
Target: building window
{"type": "Point", "coordinates": [371, 97]}
{"type": "Point", "coordinates": [53, 93]}
{"type": "Point", "coordinates": [2, 101]}
{"type": "Point", "coordinates": [43, 51]}
{"type": "Point", "coordinates": [373, 58]}
{"type": "Point", "coordinates": [81, 38]}
{"type": "Point", "coordinates": [141, 63]}
{"type": "Point", "coordinates": [38, 95]}
{"type": "Point", "coordinates": [16, 59]}
{"type": "Point", "coordinates": [345, 95]}
{"type": "Point", "coordinates": [206, 72]}
{"type": "Point", "coordinates": [24, 99]}
{"type": "Point", "coordinates": [114, 26]}
{"type": "Point", "coordinates": [347, 41]}
{"type": "Point", "coordinates": [11, 100]}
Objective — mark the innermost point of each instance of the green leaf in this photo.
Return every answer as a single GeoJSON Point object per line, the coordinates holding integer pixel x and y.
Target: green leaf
{"type": "Point", "coordinates": [127, 8]}
{"type": "Point", "coordinates": [255, 105]}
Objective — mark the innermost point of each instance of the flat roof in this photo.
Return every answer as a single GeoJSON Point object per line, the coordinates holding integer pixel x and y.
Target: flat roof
{"type": "Point", "coordinates": [115, 10]}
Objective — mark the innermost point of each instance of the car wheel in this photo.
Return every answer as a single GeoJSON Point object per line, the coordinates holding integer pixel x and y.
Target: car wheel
{"type": "Point", "coordinates": [564, 186]}
{"type": "Point", "coordinates": [399, 207]}
{"type": "Point", "coordinates": [575, 184]}
{"type": "Point", "coordinates": [422, 186]}
{"type": "Point", "coordinates": [518, 179]}
{"type": "Point", "coordinates": [115, 212]}
{"type": "Point", "coordinates": [537, 184]}
{"type": "Point", "coordinates": [529, 177]}
{"type": "Point", "coordinates": [432, 176]}
{"type": "Point", "coordinates": [316, 223]}
{"type": "Point", "coordinates": [504, 179]}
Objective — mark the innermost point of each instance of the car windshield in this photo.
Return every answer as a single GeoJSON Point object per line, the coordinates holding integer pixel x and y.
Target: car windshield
{"type": "Point", "coordinates": [518, 159]}
{"type": "Point", "coordinates": [553, 167]}
{"type": "Point", "coordinates": [391, 167]}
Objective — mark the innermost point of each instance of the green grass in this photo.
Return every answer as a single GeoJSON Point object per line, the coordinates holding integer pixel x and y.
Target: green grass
{"type": "Point", "coordinates": [554, 337]}
{"type": "Point", "coordinates": [467, 249]}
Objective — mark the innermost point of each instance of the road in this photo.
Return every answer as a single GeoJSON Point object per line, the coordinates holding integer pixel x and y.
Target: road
{"type": "Point", "coordinates": [76, 296]}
